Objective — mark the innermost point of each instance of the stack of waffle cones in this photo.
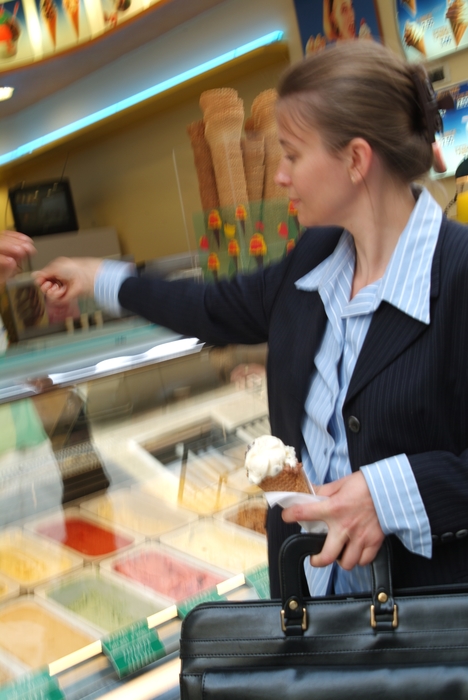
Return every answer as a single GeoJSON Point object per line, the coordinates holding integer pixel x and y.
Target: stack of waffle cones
{"type": "Point", "coordinates": [253, 151]}
{"type": "Point", "coordinates": [291, 479]}
{"type": "Point", "coordinates": [204, 165]}
{"type": "Point", "coordinates": [264, 122]}
{"type": "Point", "coordinates": [223, 117]}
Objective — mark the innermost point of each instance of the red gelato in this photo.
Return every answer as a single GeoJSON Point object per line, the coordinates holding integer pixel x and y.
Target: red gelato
{"type": "Point", "coordinates": [84, 537]}
{"type": "Point", "coordinates": [166, 575]}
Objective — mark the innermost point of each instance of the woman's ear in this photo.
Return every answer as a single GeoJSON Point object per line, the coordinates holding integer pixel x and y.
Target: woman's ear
{"type": "Point", "coordinates": [359, 155]}
{"type": "Point", "coordinates": [438, 157]}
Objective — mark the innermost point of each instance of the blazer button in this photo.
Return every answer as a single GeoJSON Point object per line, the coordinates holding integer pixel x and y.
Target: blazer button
{"type": "Point", "coordinates": [353, 424]}
{"type": "Point", "coordinates": [461, 534]}
{"type": "Point", "coordinates": [447, 537]}
{"type": "Point", "coordinates": [435, 539]}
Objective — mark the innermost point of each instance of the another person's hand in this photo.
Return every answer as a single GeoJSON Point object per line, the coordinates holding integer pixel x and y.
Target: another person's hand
{"type": "Point", "coordinates": [14, 248]}
{"type": "Point", "coordinates": [354, 532]}
{"type": "Point", "coordinates": [65, 279]}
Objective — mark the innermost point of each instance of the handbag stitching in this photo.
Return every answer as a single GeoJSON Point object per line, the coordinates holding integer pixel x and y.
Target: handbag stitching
{"type": "Point", "coordinates": [425, 632]}
{"type": "Point", "coordinates": [327, 653]}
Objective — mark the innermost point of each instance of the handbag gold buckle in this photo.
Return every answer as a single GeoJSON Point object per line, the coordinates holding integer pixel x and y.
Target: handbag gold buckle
{"type": "Point", "coordinates": [303, 621]}
{"type": "Point", "coordinates": [373, 621]}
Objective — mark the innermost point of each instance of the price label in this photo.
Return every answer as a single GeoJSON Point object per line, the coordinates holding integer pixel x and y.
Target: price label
{"type": "Point", "coordinates": [36, 686]}
{"type": "Point", "coordinates": [259, 579]}
{"type": "Point", "coordinates": [132, 648]}
{"type": "Point", "coordinates": [209, 596]}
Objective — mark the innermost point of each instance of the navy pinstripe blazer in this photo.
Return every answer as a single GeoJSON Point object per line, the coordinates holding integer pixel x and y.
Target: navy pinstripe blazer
{"type": "Point", "coordinates": [408, 392]}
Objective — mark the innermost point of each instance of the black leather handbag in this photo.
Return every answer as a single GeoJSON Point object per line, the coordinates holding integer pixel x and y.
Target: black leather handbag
{"type": "Point", "coordinates": [385, 645]}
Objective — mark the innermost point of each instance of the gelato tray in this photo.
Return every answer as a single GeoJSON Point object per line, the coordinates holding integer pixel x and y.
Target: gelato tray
{"type": "Point", "coordinates": [203, 500]}
{"type": "Point", "coordinates": [8, 588]}
{"type": "Point", "coordinates": [90, 537]}
{"type": "Point", "coordinates": [36, 635]}
{"type": "Point", "coordinates": [139, 512]}
{"type": "Point", "coordinates": [104, 601]}
{"type": "Point", "coordinates": [30, 560]}
{"type": "Point", "coordinates": [10, 668]}
{"type": "Point", "coordinates": [230, 547]}
{"type": "Point", "coordinates": [165, 571]}
{"type": "Point", "coordinates": [250, 514]}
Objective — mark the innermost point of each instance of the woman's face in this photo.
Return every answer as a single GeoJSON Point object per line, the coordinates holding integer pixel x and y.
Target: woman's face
{"type": "Point", "coordinates": [317, 181]}
{"type": "Point", "coordinates": [342, 17]}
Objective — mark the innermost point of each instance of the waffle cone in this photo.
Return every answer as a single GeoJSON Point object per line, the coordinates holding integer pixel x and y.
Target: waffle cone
{"type": "Point", "coordinates": [458, 29]}
{"type": "Point", "coordinates": [74, 17]}
{"type": "Point", "coordinates": [52, 27]}
{"type": "Point", "coordinates": [291, 479]}
{"type": "Point", "coordinates": [411, 4]}
{"type": "Point", "coordinates": [421, 46]}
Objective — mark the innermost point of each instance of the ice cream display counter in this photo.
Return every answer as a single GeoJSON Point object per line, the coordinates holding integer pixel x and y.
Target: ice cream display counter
{"type": "Point", "coordinates": [123, 503]}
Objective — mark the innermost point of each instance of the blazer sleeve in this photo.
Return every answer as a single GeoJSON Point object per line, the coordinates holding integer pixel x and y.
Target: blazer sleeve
{"type": "Point", "coordinates": [229, 311]}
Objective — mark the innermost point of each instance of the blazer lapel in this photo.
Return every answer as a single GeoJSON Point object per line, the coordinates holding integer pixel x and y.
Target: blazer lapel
{"type": "Point", "coordinates": [311, 318]}
{"type": "Point", "coordinates": [390, 333]}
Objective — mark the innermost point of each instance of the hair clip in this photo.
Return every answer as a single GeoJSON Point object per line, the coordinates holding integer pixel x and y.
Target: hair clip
{"type": "Point", "coordinates": [429, 104]}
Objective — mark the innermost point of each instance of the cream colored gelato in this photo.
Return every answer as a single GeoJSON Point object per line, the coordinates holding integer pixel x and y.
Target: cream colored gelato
{"type": "Point", "coordinates": [231, 548]}
{"type": "Point", "coordinates": [35, 636]}
{"type": "Point", "coordinates": [149, 516]}
{"type": "Point", "coordinates": [266, 457]}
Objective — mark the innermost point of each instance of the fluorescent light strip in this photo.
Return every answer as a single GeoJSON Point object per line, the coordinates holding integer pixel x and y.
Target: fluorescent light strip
{"type": "Point", "coordinates": [28, 148]}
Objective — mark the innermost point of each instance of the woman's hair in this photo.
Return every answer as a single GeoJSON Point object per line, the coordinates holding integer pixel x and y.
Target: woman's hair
{"type": "Point", "coordinates": [359, 88]}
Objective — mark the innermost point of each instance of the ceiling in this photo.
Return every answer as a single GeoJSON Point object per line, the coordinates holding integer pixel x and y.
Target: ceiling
{"type": "Point", "coordinates": [39, 80]}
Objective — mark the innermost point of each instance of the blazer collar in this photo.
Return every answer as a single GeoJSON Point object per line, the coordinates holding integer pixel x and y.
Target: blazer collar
{"type": "Point", "coordinates": [391, 331]}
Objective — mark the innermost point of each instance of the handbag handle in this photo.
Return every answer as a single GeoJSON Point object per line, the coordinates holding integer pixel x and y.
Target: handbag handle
{"type": "Point", "coordinates": [383, 610]}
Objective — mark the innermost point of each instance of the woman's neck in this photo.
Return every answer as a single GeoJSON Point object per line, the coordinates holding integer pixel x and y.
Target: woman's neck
{"type": "Point", "coordinates": [381, 215]}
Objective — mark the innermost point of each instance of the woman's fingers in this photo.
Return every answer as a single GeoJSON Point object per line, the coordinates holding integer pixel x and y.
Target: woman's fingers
{"type": "Point", "coordinates": [354, 533]}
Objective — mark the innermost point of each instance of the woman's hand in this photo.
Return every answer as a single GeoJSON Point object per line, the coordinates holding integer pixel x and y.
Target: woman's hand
{"type": "Point", "coordinates": [354, 532]}
{"type": "Point", "coordinates": [65, 279]}
{"type": "Point", "coordinates": [14, 248]}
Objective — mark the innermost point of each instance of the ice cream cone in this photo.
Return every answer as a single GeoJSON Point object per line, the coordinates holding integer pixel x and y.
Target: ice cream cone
{"type": "Point", "coordinates": [411, 5]}
{"type": "Point", "coordinates": [74, 17]}
{"type": "Point", "coordinates": [290, 479]}
{"type": "Point", "coordinates": [414, 36]}
{"type": "Point", "coordinates": [458, 29]}
{"type": "Point", "coordinates": [52, 27]}
{"type": "Point", "coordinates": [49, 15]}
{"type": "Point", "coordinates": [457, 14]}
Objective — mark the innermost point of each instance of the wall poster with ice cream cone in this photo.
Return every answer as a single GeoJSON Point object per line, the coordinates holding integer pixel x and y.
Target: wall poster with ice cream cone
{"type": "Point", "coordinates": [14, 40]}
{"type": "Point", "coordinates": [432, 28]}
{"type": "Point", "coordinates": [64, 23]}
{"type": "Point", "coordinates": [454, 139]}
{"type": "Point", "coordinates": [324, 21]}
{"type": "Point", "coordinates": [115, 11]}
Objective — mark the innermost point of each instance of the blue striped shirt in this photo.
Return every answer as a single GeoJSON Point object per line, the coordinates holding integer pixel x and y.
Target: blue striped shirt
{"type": "Point", "coordinates": [405, 285]}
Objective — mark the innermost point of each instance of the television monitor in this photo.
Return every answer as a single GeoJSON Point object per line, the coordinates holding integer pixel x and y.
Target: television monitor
{"type": "Point", "coordinates": [42, 208]}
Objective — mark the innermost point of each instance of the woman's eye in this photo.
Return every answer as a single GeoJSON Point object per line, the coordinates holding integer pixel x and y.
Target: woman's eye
{"type": "Point", "coordinates": [290, 158]}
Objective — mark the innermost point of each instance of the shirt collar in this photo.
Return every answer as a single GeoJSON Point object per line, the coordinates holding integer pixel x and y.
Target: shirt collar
{"type": "Point", "coordinates": [407, 280]}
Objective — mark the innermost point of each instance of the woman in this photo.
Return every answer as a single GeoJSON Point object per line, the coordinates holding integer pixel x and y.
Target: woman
{"type": "Point", "coordinates": [366, 321]}
{"type": "Point", "coordinates": [339, 19]}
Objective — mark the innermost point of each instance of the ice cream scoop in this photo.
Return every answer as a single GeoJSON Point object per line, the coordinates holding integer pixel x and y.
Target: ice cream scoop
{"type": "Point", "coordinates": [273, 466]}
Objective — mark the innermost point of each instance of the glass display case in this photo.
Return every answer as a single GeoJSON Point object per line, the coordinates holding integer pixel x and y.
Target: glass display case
{"type": "Point", "coordinates": [123, 503]}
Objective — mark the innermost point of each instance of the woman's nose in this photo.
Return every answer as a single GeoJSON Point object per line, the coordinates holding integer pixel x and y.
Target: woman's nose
{"type": "Point", "coordinates": [282, 178]}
